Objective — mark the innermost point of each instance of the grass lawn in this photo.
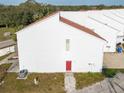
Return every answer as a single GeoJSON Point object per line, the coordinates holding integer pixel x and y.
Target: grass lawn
{"type": "Point", "coordinates": [5, 66]}
{"type": "Point", "coordinates": [3, 30]}
{"type": "Point", "coordinates": [3, 69]}
{"type": "Point", "coordinates": [2, 57]}
{"type": "Point", "coordinates": [49, 83]}
{"type": "Point", "coordinates": [86, 79]}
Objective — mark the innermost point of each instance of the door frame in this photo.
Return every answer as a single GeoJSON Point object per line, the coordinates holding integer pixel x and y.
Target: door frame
{"type": "Point", "coordinates": [68, 65]}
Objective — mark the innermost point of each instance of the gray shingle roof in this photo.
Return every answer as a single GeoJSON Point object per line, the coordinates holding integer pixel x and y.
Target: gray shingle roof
{"type": "Point", "coordinates": [7, 43]}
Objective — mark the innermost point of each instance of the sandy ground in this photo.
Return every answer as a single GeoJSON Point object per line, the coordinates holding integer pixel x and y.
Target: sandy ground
{"type": "Point", "coordinates": [114, 60]}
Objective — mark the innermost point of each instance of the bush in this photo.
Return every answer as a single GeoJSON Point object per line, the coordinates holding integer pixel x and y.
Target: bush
{"type": "Point", "coordinates": [3, 71]}
{"type": "Point", "coordinates": [111, 72]}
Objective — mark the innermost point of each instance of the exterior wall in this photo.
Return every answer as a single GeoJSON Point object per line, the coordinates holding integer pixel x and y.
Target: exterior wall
{"type": "Point", "coordinates": [107, 33]}
{"type": "Point", "coordinates": [42, 46]}
{"type": "Point", "coordinates": [7, 50]}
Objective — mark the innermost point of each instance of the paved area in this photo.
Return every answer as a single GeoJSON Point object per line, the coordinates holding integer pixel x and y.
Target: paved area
{"type": "Point", "coordinates": [114, 60]}
{"type": "Point", "coordinates": [109, 85]}
{"type": "Point", "coordinates": [14, 67]}
{"type": "Point", "coordinates": [15, 63]}
{"type": "Point", "coordinates": [69, 83]}
{"type": "Point", "coordinates": [100, 87]}
{"type": "Point", "coordinates": [5, 61]}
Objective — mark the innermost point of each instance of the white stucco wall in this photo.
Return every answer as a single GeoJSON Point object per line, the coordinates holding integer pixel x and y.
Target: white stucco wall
{"type": "Point", "coordinates": [42, 46]}
{"type": "Point", "coordinates": [82, 18]}
{"type": "Point", "coordinates": [7, 50]}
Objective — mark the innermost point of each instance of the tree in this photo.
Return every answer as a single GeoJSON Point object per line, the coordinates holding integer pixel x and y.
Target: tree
{"type": "Point", "coordinates": [27, 18]}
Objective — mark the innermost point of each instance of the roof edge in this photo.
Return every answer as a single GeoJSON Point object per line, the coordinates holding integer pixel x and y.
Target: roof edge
{"type": "Point", "coordinates": [45, 17]}
{"type": "Point", "coordinates": [80, 27]}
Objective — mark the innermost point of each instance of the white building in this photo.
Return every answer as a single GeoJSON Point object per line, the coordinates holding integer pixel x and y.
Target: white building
{"type": "Point", "coordinates": [70, 41]}
{"type": "Point", "coordinates": [58, 44]}
{"type": "Point", "coordinates": [7, 47]}
{"type": "Point", "coordinates": [103, 22]}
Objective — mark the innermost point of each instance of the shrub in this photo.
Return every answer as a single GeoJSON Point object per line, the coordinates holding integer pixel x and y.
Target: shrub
{"type": "Point", "coordinates": [111, 72]}
{"type": "Point", "coordinates": [3, 71]}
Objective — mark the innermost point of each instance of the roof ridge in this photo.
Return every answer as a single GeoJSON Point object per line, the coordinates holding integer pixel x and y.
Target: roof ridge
{"type": "Point", "coordinates": [80, 27]}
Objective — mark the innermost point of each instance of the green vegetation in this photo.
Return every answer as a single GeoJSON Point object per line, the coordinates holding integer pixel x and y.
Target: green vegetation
{"type": "Point", "coordinates": [11, 30]}
{"type": "Point", "coordinates": [30, 11]}
{"type": "Point", "coordinates": [3, 69]}
{"type": "Point", "coordinates": [86, 79]}
{"type": "Point", "coordinates": [14, 18]}
{"type": "Point", "coordinates": [2, 57]}
{"type": "Point", "coordinates": [48, 83]}
{"type": "Point", "coordinates": [112, 72]}
{"type": "Point", "coordinates": [23, 14]}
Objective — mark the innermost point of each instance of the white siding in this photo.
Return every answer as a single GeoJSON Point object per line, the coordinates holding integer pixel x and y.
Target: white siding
{"type": "Point", "coordinates": [42, 48]}
{"type": "Point", "coordinates": [107, 33]}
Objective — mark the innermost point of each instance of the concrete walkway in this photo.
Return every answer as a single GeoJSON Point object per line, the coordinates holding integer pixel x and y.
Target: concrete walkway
{"type": "Point", "coordinates": [14, 67]}
{"type": "Point", "coordinates": [108, 85]}
{"type": "Point", "coordinates": [5, 61]}
{"type": "Point", "coordinates": [69, 83]}
{"type": "Point", "coordinates": [15, 63]}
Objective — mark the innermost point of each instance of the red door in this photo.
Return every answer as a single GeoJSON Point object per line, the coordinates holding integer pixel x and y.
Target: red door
{"type": "Point", "coordinates": [68, 65]}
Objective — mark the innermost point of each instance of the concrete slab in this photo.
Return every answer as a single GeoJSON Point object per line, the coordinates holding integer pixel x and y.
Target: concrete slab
{"type": "Point", "coordinates": [69, 83]}
{"type": "Point", "coordinates": [97, 87]}
{"type": "Point", "coordinates": [106, 86]}
{"type": "Point", "coordinates": [119, 83]}
{"type": "Point", "coordinates": [116, 87]}
{"type": "Point", "coordinates": [14, 67]}
{"type": "Point", "coordinates": [120, 76]}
